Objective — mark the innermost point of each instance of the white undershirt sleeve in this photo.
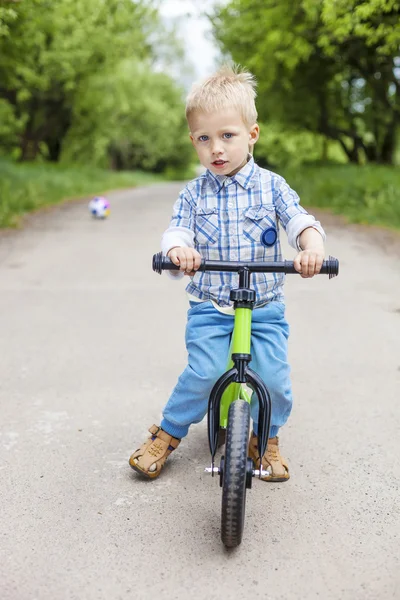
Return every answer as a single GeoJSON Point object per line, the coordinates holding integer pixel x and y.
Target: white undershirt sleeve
{"type": "Point", "coordinates": [297, 225]}
{"type": "Point", "coordinates": [176, 236]}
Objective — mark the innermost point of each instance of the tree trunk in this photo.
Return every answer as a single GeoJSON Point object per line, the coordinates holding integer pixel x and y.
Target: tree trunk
{"type": "Point", "coordinates": [29, 145]}
{"type": "Point", "coordinates": [388, 146]}
{"type": "Point", "coordinates": [351, 153]}
{"type": "Point", "coordinates": [371, 152]}
{"type": "Point", "coordinates": [57, 121]}
{"type": "Point", "coordinates": [54, 148]}
{"type": "Point", "coordinates": [29, 148]}
{"type": "Point", "coordinates": [325, 146]}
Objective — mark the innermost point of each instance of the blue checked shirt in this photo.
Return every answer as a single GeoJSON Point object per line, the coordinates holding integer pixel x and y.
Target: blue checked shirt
{"type": "Point", "coordinates": [223, 218]}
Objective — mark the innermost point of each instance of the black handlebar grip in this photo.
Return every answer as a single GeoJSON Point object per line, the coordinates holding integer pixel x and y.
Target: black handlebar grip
{"type": "Point", "coordinates": [329, 267]}
{"type": "Point", "coordinates": [162, 263]}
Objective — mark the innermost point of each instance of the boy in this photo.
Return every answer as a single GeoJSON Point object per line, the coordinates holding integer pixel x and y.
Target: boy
{"type": "Point", "coordinates": [223, 215]}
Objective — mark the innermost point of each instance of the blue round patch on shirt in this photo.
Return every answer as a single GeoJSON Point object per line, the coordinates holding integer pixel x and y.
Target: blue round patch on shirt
{"type": "Point", "coordinates": [269, 236]}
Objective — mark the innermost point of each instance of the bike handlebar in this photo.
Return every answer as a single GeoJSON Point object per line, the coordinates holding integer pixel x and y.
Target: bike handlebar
{"type": "Point", "coordinates": [163, 263]}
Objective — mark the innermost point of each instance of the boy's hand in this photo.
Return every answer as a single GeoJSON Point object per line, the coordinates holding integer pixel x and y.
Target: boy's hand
{"type": "Point", "coordinates": [188, 259]}
{"type": "Point", "coordinates": [309, 261]}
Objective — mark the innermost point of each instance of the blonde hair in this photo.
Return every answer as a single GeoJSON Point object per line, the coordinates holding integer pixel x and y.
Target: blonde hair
{"type": "Point", "coordinates": [230, 86]}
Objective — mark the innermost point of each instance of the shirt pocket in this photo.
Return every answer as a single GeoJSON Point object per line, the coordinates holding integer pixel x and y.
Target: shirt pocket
{"type": "Point", "coordinates": [206, 226]}
{"type": "Point", "coordinates": [257, 219]}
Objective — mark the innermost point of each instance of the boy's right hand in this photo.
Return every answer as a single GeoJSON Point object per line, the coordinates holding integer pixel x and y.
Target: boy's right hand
{"type": "Point", "coordinates": [187, 259]}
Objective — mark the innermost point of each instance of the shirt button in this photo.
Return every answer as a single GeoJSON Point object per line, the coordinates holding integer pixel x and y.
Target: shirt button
{"type": "Point", "coordinates": [228, 181]}
{"type": "Point", "coordinates": [230, 204]}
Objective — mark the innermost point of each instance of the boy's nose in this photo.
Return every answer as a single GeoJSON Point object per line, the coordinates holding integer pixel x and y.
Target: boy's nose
{"type": "Point", "coordinates": [216, 148]}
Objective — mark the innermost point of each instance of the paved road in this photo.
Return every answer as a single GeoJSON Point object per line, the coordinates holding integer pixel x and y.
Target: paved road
{"type": "Point", "coordinates": [91, 343]}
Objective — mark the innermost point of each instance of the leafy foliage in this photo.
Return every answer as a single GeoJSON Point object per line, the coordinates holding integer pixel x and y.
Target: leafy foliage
{"type": "Point", "coordinates": [135, 114]}
{"type": "Point", "coordinates": [293, 147]}
{"type": "Point", "coordinates": [326, 66]}
{"type": "Point", "coordinates": [77, 82]}
{"type": "Point", "coordinates": [7, 15]}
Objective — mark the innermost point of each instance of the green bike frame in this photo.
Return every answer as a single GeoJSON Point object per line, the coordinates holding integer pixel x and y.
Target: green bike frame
{"type": "Point", "coordinates": [241, 342]}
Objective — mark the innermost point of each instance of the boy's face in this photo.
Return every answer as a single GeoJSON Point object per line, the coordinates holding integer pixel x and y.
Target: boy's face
{"type": "Point", "coordinates": [222, 140]}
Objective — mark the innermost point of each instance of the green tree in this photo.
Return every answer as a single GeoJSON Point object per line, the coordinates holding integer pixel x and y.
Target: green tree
{"type": "Point", "coordinates": [129, 118]}
{"type": "Point", "coordinates": [326, 66]}
{"type": "Point", "coordinates": [7, 15]}
{"type": "Point", "coordinates": [49, 48]}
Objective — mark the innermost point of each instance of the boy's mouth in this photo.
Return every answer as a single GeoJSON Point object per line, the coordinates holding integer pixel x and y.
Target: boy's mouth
{"type": "Point", "coordinates": [219, 163]}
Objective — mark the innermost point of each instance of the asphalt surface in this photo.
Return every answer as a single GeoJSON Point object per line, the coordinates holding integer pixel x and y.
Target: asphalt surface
{"type": "Point", "coordinates": [91, 344]}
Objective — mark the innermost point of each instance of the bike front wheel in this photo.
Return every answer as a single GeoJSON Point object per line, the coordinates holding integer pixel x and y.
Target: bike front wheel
{"type": "Point", "coordinates": [235, 473]}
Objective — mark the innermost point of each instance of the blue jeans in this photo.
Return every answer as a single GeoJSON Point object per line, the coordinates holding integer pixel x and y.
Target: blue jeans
{"type": "Point", "coordinates": [208, 336]}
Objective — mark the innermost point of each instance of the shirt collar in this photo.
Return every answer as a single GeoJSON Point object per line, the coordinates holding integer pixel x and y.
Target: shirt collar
{"type": "Point", "coordinates": [246, 177]}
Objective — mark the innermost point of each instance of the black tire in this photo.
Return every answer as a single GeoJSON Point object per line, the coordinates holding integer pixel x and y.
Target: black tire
{"type": "Point", "coordinates": [234, 475]}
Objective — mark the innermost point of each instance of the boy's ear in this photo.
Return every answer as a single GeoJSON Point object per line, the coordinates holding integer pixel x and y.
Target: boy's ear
{"type": "Point", "coordinates": [254, 134]}
{"type": "Point", "coordinates": [191, 138]}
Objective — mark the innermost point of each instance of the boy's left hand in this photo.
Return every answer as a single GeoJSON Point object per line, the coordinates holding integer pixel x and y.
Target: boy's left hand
{"type": "Point", "coordinates": [309, 262]}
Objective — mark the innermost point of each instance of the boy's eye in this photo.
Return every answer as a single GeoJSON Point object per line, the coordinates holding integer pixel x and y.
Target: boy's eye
{"type": "Point", "coordinates": [228, 136]}
{"type": "Point", "coordinates": [203, 138]}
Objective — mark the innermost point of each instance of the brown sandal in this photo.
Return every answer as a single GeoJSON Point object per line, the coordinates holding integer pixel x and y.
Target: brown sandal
{"type": "Point", "coordinates": [272, 460]}
{"type": "Point", "coordinates": [150, 458]}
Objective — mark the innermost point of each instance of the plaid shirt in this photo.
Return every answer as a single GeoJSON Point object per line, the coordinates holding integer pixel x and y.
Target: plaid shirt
{"type": "Point", "coordinates": [223, 218]}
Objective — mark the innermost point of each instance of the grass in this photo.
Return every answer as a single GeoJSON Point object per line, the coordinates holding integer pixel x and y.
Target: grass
{"type": "Point", "coordinates": [363, 194]}
{"type": "Point", "coordinates": [28, 186]}
{"type": "Point", "coordinates": [367, 194]}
